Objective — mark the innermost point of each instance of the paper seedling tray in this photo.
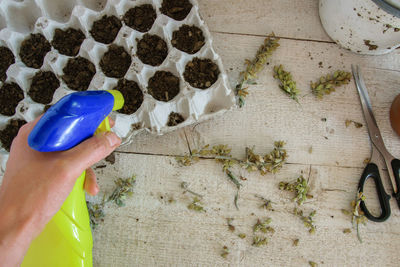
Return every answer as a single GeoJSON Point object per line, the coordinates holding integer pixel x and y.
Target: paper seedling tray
{"type": "Point", "coordinates": [19, 19]}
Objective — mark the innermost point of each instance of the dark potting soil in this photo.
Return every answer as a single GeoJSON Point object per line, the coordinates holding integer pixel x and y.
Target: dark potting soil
{"type": "Point", "coordinates": [8, 134]}
{"type": "Point", "coordinates": [106, 29]}
{"type": "Point", "coordinates": [140, 18]}
{"type": "Point", "coordinates": [163, 86]}
{"type": "Point", "coordinates": [189, 39]}
{"type": "Point", "coordinates": [78, 73]}
{"type": "Point", "coordinates": [201, 73]}
{"type": "Point", "coordinates": [132, 94]}
{"type": "Point", "coordinates": [176, 9]}
{"type": "Point", "coordinates": [33, 50]}
{"type": "Point", "coordinates": [175, 119]}
{"type": "Point", "coordinates": [152, 50]}
{"type": "Point", "coordinates": [6, 60]}
{"type": "Point", "coordinates": [43, 86]}
{"type": "Point", "coordinates": [68, 42]}
{"type": "Point", "coordinates": [115, 62]}
{"type": "Point", "coordinates": [10, 95]}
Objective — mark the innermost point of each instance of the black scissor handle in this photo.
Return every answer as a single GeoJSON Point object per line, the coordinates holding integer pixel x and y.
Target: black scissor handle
{"type": "Point", "coordinates": [396, 170]}
{"type": "Point", "coordinates": [372, 171]}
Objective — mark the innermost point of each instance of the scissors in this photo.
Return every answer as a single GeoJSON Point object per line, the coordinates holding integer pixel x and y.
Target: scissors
{"type": "Point", "coordinates": [378, 149]}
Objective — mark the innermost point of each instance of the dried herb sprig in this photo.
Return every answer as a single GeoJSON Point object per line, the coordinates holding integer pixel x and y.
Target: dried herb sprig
{"type": "Point", "coordinates": [300, 187]}
{"type": "Point", "coordinates": [327, 84]}
{"type": "Point", "coordinates": [287, 84]}
{"type": "Point", "coordinates": [259, 241]}
{"type": "Point", "coordinates": [123, 189]}
{"type": "Point", "coordinates": [248, 77]}
{"type": "Point", "coordinates": [307, 220]}
{"type": "Point", "coordinates": [196, 205]}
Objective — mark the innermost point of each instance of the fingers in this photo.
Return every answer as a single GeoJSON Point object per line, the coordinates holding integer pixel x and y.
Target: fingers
{"type": "Point", "coordinates": [112, 122]}
{"type": "Point", "coordinates": [91, 186]}
{"type": "Point", "coordinates": [92, 150]}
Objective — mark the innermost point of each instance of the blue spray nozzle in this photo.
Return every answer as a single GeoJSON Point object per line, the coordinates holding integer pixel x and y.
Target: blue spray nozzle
{"type": "Point", "coordinates": [71, 120]}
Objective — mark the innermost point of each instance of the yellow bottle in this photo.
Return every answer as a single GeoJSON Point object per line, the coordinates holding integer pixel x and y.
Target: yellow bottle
{"type": "Point", "coordinates": [67, 238]}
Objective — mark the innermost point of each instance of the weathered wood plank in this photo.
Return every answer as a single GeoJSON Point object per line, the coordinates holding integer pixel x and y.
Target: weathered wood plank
{"type": "Point", "coordinates": [288, 18]}
{"type": "Point", "coordinates": [152, 231]}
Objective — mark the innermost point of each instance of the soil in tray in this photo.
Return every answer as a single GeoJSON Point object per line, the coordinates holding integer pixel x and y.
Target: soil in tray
{"type": "Point", "coordinates": [33, 50]}
{"type": "Point", "coordinates": [6, 60]}
{"type": "Point", "coordinates": [115, 62]}
{"type": "Point", "coordinates": [78, 73]}
{"type": "Point", "coordinates": [43, 86]}
{"type": "Point", "coordinates": [189, 39]}
{"type": "Point", "coordinates": [140, 18]}
{"type": "Point", "coordinates": [163, 86]}
{"type": "Point", "coordinates": [10, 95]}
{"type": "Point", "coordinates": [106, 29]}
{"type": "Point", "coordinates": [201, 73]}
{"type": "Point", "coordinates": [152, 50]}
{"type": "Point", "coordinates": [8, 134]}
{"type": "Point", "coordinates": [176, 9]}
{"type": "Point", "coordinates": [68, 42]}
{"type": "Point", "coordinates": [175, 119]}
{"type": "Point", "coordinates": [132, 94]}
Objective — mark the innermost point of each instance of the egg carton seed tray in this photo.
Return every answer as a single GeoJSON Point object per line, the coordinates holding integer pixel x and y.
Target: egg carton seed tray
{"type": "Point", "coordinates": [155, 110]}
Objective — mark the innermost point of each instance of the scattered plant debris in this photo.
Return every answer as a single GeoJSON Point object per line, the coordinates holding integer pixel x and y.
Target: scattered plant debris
{"type": "Point", "coordinates": [312, 264]}
{"type": "Point", "coordinates": [357, 215]}
{"type": "Point", "coordinates": [296, 242]}
{"type": "Point", "coordinates": [185, 186]}
{"type": "Point", "coordinates": [230, 226]}
{"type": "Point", "coordinates": [300, 187]}
{"type": "Point", "coordinates": [196, 205]}
{"type": "Point", "coordinates": [263, 226]}
{"type": "Point", "coordinates": [248, 77]}
{"type": "Point", "coordinates": [242, 235]}
{"type": "Point", "coordinates": [123, 189]}
{"type": "Point", "coordinates": [307, 220]}
{"type": "Point", "coordinates": [259, 241]}
{"type": "Point", "coordinates": [225, 252]}
{"type": "Point", "coordinates": [356, 124]}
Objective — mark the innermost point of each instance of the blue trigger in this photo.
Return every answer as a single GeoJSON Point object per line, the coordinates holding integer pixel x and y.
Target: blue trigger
{"type": "Point", "coordinates": [71, 120]}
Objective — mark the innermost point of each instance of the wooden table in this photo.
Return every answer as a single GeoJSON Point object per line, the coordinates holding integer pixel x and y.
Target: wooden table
{"type": "Point", "coordinates": [151, 231]}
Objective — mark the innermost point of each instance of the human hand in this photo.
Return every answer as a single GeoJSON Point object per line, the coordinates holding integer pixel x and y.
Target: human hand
{"type": "Point", "coordinates": [36, 184]}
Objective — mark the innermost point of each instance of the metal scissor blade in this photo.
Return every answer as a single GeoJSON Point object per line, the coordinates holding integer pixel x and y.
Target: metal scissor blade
{"type": "Point", "coordinates": [373, 130]}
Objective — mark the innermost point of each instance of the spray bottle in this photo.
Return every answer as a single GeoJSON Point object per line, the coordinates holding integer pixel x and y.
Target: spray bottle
{"type": "Point", "coordinates": [67, 238]}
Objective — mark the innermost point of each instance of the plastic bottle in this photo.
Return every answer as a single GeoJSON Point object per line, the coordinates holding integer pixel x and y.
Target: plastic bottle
{"type": "Point", "coordinates": [67, 239]}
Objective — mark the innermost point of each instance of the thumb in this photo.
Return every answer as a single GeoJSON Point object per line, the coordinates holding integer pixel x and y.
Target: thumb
{"type": "Point", "coordinates": [93, 150]}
